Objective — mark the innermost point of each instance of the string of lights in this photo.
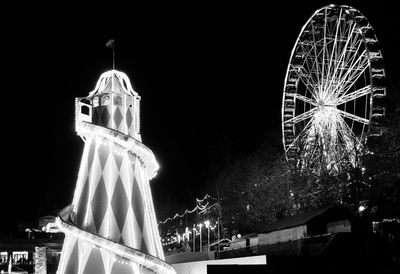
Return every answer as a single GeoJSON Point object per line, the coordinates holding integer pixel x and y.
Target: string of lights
{"type": "Point", "coordinates": [177, 237]}
{"type": "Point", "coordinates": [175, 233]}
{"type": "Point", "coordinates": [198, 206]}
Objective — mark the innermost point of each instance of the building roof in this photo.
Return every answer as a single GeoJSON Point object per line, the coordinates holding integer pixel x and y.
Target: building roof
{"type": "Point", "coordinates": [244, 237]}
{"type": "Point", "coordinates": [304, 218]}
{"type": "Point", "coordinates": [113, 81]}
{"type": "Point", "coordinates": [221, 241]}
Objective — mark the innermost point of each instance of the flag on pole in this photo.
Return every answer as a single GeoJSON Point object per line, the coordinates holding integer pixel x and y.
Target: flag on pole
{"type": "Point", "coordinates": [110, 43]}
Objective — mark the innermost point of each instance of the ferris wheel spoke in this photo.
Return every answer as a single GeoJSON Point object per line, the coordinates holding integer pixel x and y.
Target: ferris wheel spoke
{"type": "Point", "coordinates": [351, 137]}
{"type": "Point", "coordinates": [355, 64]}
{"type": "Point", "coordinates": [308, 53]}
{"type": "Point", "coordinates": [351, 48]}
{"type": "Point", "coordinates": [324, 49]}
{"type": "Point", "coordinates": [356, 74]}
{"type": "Point", "coordinates": [335, 42]}
{"type": "Point", "coordinates": [305, 115]}
{"type": "Point", "coordinates": [309, 72]}
{"type": "Point", "coordinates": [355, 70]}
{"type": "Point", "coordinates": [300, 135]}
{"type": "Point", "coordinates": [315, 70]}
{"type": "Point", "coordinates": [353, 117]}
{"type": "Point", "coordinates": [306, 99]}
{"type": "Point", "coordinates": [345, 54]}
{"type": "Point", "coordinates": [349, 142]}
{"type": "Point", "coordinates": [308, 82]}
{"type": "Point", "coordinates": [315, 54]}
{"type": "Point", "coordinates": [343, 130]}
{"type": "Point", "coordinates": [354, 95]}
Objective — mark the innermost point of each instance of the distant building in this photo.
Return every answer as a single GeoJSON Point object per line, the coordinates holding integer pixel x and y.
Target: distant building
{"type": "Point", "coordinates": [246, 240]}
{"type": "Point", "coordinates": [20, 246]}
{"type": "Point", "coordinates": [317, 222]}
{"type": "Point", "coordinates": [48, 224]}
{"type": "Point", "coordinates": [309, 233]}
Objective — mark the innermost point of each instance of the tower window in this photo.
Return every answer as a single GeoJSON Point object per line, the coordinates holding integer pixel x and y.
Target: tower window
{"type": "Point", "coordinates": [85, 110]}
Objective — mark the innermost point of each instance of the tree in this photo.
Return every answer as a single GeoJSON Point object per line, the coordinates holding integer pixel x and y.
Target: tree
{"type": "Point", "coordinates": [382, 164]}
{"type": "Point", "coordinates": [254, 190]}
{"type": "Point", "coordinates": [311, 190]}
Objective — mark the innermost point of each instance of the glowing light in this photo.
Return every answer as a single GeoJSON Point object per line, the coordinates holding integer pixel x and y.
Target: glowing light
{"type": "Point", "coordinates": [199, 207]}
{"type": "Point", "coordinates": [107, 77]}
{"type": "Point", "coordinates": [361, 208]}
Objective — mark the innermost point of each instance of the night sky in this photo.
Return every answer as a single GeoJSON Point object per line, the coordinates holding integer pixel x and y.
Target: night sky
{"type": "Point", "coordinates": [210, 77]}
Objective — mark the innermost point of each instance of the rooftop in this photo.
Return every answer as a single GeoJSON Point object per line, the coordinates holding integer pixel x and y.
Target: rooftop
{"type": "Point", "coordinates": [304, 218]}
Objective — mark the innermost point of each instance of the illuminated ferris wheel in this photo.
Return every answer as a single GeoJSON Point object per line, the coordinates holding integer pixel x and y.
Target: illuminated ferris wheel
{"type": "Point", "coordinates": [333, 92]}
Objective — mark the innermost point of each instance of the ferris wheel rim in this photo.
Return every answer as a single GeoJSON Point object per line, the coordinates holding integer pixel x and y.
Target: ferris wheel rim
{"type": "Point", "coordinates": [367, 90]}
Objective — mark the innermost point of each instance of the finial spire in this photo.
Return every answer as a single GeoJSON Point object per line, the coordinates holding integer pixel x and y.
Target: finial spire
{"type": "Point", "coordinates": [110, 45]}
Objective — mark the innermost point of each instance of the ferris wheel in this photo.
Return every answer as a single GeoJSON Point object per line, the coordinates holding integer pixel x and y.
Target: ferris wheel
{"type": "Point", "coordinates": [334, 91]}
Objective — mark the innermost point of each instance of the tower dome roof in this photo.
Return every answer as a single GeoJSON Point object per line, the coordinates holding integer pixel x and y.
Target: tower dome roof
{"type": "Point", "coordinates": [113, 81]}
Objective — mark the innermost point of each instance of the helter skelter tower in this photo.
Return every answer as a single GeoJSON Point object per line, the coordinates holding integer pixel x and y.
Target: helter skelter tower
{"type": "Point", "coordinates": [111, 227]}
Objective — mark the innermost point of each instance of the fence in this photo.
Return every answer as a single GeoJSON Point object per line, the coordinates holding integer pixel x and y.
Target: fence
{"type": "Point", "coordinates": [307, 246]}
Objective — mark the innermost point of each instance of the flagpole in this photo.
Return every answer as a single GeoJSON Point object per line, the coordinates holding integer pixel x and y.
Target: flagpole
{"type": "Point", "coordinates": [113, 44]}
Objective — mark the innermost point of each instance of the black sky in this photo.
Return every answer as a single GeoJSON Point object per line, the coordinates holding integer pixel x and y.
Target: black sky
{"type": "Point", "coordinates": [210, 77]}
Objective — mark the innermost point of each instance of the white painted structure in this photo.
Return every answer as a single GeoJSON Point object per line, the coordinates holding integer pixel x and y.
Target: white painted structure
{"type": "Point", "coordinates": [244, 241]}
{"type": "Point", "coordinates": [111, 225]}
{"type": "Point", "coordinates": [284, 235]}
{"type": "Point", "coordinates": [200, 267]}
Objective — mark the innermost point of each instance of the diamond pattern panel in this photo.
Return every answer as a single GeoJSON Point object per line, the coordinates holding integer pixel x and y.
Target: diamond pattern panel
{"type": "Point", "coordinates": [129, 117]}
{"type": "Point", "coordinates": [90, 227]}
{"type": "Point", "coordinates": [103, 152]}
{"type": "Point", "coordinates": [120, 203]}
{"type": "Point", "coordinates": [143, 246]}
{"type": "Point", "coordinates": [110, 174]}
{"type": "Point", "coordinates": [115, 232]}
{"type": "Point", "coordinates": [95, 172]}
{"type": "Point", "coordinates": [73, 260]}
{"type": "Point", "coordinates": [99, 204]}
{"type": "Point", "coordinates": [147, 239]}
{"type": "Point", "coordinates": [130, 233]}
{"type": "Point", "coordinates": [91, 153]}
{"type": "Point", "coordinates": [104, 116]}
{"type": "Point", "coordinates": [83, 203]}
{"type": "Point", "coordinates": [121, 268]}
{"type": "Point", "coordinates": [118, 160]}
{"type": "Point", "coordinates": [85, 249]}
{"type": "Point", "coordinates": [94, 264]}
{"type": "Point", "coordinates": [137, 204]}
{"type": "Point", "coordinates": [117, 117]}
